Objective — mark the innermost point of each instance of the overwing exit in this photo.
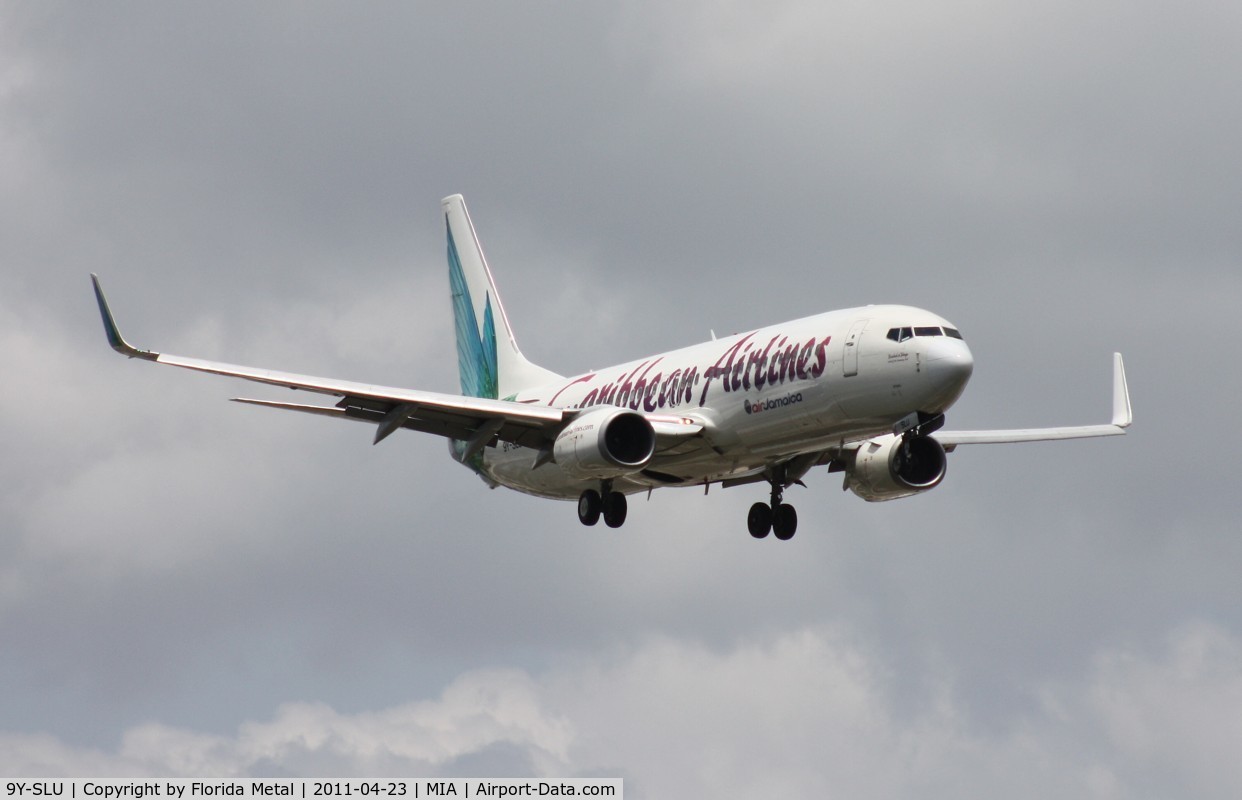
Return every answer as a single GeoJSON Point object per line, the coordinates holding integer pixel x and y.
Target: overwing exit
{"type": "Point", "coordinates": [860, 391]}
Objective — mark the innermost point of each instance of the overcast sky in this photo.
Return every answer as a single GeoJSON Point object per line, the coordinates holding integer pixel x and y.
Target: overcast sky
{"type": "Point", "coordinates": [189, 587]}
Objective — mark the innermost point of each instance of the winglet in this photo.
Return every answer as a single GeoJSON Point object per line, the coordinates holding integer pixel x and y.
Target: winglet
{"type": "Point", "coordinates": [114, 335]}
{"type": "Point", "coordinates": [1123, 415]}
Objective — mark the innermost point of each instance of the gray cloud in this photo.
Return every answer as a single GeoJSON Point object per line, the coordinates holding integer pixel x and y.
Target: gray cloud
{"type": "Point", "coordinates": [185, 583]}
{"type": "Point", "coordinates": [1132, 725]}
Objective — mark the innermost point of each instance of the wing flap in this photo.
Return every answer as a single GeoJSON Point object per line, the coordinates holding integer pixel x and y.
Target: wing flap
{"type": "Point", "coordinates": [482, 407]}
{"type": "Point", "coordinates": [462, 427]}
{"type": "Point", "coordinates": [430, 412]}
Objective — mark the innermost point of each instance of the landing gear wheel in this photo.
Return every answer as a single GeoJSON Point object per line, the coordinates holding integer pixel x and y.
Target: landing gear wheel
{"type": "Point", "coordinates": [759, 520]}
{"type": "Point", "coordinates": [589, 507]}
{"type": "Point", "coordinates": [614, 509]}
{"type": "Point", "coordinates": [785, 522]}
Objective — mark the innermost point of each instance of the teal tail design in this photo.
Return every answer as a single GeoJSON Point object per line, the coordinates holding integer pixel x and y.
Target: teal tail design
{"type": "Point", "coordinates": [489, 363]}
{"type": "Point", "coordinates": [476, 350]}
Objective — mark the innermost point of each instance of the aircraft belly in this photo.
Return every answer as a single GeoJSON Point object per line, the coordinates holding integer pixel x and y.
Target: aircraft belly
{"type": "Point", "coordinates": [510, 466]}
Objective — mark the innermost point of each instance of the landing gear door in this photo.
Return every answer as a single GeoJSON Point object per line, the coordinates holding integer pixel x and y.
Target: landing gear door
{"type": "Point", "coordinates": [852, 340]}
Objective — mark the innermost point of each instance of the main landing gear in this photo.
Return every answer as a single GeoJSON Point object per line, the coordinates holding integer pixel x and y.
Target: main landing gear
{"type": "Point", "coordinates": [776, 517]}
{"type": "Point", "coordinates": [606, 503]}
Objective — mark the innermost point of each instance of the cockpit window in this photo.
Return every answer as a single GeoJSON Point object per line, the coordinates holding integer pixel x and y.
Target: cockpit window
{"type": "Point", "coordinates": [901, 334]}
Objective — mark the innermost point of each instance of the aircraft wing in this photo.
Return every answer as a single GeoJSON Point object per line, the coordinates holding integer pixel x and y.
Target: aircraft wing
{"type": "Point", "coordinates": [1122, 417]}
{"type": "Point", "coordinates": [473, 419]}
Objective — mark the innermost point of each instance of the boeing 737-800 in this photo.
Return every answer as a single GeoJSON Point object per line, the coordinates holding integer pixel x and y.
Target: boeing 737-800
{"type": "Point", "coordinates": [860, 391]}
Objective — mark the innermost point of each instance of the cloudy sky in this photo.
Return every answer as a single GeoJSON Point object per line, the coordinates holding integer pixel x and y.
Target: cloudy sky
{"type": "Point", "coordinates": [189, 587]}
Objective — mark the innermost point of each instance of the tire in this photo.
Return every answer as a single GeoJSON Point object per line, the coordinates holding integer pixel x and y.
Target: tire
{"type": "Point", "coordinates": [785, 522]}
{"type": "Point", "coordinates": [759, 520]}
{"type": "Point", "coordinates": [614, 509]}
{"type": "Point", "coordinates": [589, 507]}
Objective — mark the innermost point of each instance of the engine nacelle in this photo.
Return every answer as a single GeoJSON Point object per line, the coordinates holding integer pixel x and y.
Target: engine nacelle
{"type": "Point", "coordinates": [605, 443]}
{"type": "Point", "coordinates": [886, 468]}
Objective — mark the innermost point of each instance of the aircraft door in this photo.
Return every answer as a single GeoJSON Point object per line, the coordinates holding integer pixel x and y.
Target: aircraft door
{"type": "Point", "coordinates": [852, 340]}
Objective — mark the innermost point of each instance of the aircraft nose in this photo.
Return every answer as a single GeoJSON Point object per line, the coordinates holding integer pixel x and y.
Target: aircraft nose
{"type": "Point", "coordinates": [950, 363]}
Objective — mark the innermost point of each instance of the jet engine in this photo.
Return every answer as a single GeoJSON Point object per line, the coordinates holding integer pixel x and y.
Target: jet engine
{"type": "Point", "coordinates": [889, 467]}
{"type": "Point", "coordinates": [605, 443]}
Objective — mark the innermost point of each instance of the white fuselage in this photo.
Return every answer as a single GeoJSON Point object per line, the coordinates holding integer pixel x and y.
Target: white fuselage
{"type": "Point", "coordinates": [764, 396]}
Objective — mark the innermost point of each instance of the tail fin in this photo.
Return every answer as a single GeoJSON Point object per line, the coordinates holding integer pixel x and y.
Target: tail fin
{"type": "Point", "coordinates": [488, 365]}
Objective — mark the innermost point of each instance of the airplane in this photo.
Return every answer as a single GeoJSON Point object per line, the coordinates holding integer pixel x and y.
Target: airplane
{"type": "Point", "coordinates": [860, 391]}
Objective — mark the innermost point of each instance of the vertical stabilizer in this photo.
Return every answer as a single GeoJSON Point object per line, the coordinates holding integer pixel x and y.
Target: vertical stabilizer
{"type": "Point", "coordinates": [489, 362]}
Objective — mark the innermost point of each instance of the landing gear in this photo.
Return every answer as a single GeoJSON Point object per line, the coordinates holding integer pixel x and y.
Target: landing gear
{"type": "Point", "coordinates": [606, 503]}
{"type": "Point", "coordinates": [775, 517]}
{"type": "Point", "coordinates": [590, 505]}
{"type": "Point", "coordinates": [614, 509]}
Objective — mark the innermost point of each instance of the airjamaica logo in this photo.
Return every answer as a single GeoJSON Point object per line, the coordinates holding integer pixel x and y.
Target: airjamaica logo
{"type": "Point", "coordinates": [759, 406]}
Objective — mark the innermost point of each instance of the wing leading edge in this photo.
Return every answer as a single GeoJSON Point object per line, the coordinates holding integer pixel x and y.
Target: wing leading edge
{"type": "Point", "coordinates": [1122, 417]}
